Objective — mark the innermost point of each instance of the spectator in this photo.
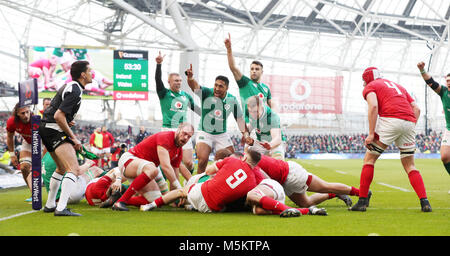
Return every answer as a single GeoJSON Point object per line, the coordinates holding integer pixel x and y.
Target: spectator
{"type": "Point", "coordinates": [142, 135]}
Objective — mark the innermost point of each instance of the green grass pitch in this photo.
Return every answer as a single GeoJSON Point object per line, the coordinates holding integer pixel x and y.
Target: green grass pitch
{"type": "Point", "coordinates": [394, 211]}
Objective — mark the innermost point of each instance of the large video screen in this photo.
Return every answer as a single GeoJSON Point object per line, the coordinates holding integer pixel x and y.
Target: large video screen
{"type": "Point", "coordinates": [117, 74]}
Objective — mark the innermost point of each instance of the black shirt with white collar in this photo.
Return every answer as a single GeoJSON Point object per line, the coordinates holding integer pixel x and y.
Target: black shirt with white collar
{"type": "Point", "coordinates": [67, 99]}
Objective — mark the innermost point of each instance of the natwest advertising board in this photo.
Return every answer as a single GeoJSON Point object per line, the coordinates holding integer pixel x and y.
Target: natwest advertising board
{"type": "Point", "coordinates": [301, 94]}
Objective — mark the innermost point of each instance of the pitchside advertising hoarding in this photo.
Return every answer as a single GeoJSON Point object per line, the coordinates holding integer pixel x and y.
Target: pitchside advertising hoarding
{"type": "Point", "coordinates": [301, 94]}
{"type": "Point", "coordinates": [117, 74]}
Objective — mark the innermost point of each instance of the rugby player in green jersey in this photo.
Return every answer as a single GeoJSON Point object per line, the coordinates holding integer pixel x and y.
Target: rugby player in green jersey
{"type": "Point", "coordinates": [249, 86]}
{"type": "Point", "coordinates": [443, 92]}
{"type": "Point", "coordinates": [174, 106]}
{"type": "Point", "coordinates": [267, 137]}
{"type": "Point", "coordinates": [88, 172]}
{"type": "Point", "coordinates": [217, 105]}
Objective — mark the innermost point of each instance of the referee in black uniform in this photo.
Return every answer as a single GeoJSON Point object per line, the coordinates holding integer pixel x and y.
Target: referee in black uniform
{"type": "Point", "coordinates": [59, 139]}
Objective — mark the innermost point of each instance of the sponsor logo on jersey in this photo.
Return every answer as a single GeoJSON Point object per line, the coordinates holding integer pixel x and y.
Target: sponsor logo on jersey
{"type": "Point", "coordinates": [178, 104]}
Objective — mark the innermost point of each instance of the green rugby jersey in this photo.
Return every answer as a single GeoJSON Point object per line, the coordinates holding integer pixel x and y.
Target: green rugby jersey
{"type": "Point", "coordinates": [445, 98]}
{"type": "Point", "coordinates": [174, 105]}
{"type": "Point", "coordinates": [215, 111]}
{"type": "Point", "coordinates": [248, 88]}
{"type": "Point", "coordinates": [265, 123]}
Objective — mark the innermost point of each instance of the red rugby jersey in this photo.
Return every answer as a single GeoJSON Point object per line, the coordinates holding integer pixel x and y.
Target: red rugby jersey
{"type": "Point", "coordinates": [393, 100]}
{"type": "Point", "coordinates": [147, 149]}
{"type": "Point", "coordinates": [19, 127]}
{"type": "Point", "coordinates": [234, 179]}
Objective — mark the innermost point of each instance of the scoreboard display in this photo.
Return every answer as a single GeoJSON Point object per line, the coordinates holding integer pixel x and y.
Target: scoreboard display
{"type": "Point", "coordinates": [130, 75]}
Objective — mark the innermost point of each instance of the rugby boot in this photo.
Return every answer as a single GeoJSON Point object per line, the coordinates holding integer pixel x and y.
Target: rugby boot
{"type": "Point", "coordinates": [313, 210]}
{"type": "Point", "coordinates": [66, 212]}
{"type": "Point", "coordinates": [290, 212]}
{"type": "Point", "coordinates": [46, 209]}
{"type": "Point", "coordinates": [425, 204]}
{"type": "Point", "coordinates": [120, 206]}
{"type": "Point", "coordinates": [111, 200]}
{"type": "Point", "coordinates": [347, 200]}
{"type": "Point", "coordinates": [361, 205]}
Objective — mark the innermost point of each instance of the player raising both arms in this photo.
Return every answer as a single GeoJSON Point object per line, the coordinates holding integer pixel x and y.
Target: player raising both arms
{"type": "Point", "coordinates": [443, 92]}
{"type": "Point", "coordinates": [140, 162]}
{"type": "Point", "coordinates": [217, 105]}
{"type": "Point", "coordinates": [398, 114]}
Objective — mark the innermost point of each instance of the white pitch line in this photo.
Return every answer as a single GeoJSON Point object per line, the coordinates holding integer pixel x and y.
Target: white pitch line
{"type": "Point", "coordinates": [381, 183]}
{"type": "Point", "coordinates": [16, 215]}
{"type": "Point", "coordinates": [394, 187]}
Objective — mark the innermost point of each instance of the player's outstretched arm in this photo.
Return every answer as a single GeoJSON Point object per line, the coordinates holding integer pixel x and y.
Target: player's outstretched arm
{"type": "Point", "coordinates": [10, 145]}
{"type": "Point", "coordinates": [372, 117]}
{"type": "Point", "coordinates": [191, 80]}
{"type": "Point", "coordinates": [428, 79]}
{"type": "Point", "coordinates": [159, 83]}
{"type": "Point", "coordinates": [275, 133]}
{"type": "Point", "coordinates": [231, 63]}
{"type": "Point", "coordinates": [164, 160]}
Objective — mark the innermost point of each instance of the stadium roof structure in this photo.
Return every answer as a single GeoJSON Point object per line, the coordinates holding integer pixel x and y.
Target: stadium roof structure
{"type": "Point", "coordinates": [291, 36]}
{"type": "Point", "coordinates": [174, 24]}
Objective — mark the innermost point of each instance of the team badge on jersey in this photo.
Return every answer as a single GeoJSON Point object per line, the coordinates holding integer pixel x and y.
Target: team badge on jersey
{"type": "Point", "coordinates": [260, 95]}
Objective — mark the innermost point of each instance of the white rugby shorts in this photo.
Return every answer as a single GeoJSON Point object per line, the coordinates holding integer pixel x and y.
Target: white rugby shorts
{"type": "Point", "coordinates": [398, 131]}
{"type": "Point", "coordinates": [196, 199]}
{"type": "Point", "coordinates": [296, 179]}
{"type": "Point", "coordinates": [219, 141]}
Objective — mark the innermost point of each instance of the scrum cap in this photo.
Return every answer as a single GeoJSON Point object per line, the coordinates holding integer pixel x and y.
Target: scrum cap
{"type": "Point", "coordinates": [371, 74]}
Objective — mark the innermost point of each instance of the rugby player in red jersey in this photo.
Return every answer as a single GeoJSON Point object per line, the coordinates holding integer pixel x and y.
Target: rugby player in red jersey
{"type": "Point", "coordinates": [233, 179]}
{"type": "Point", "coordinates": [20, 122]}
{"type": "Point", "coordinates": [392, 115]}
{"type": "Point", "coordinates": [140, 162]}
{"type": "Point", "coordinates": [296, 181]}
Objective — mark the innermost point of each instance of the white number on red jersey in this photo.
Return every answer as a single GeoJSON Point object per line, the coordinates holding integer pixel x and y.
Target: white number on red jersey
{"type": "Point", "coordinates": [237, 178]}
{"type": "Point", "coordinates": [393, 86]}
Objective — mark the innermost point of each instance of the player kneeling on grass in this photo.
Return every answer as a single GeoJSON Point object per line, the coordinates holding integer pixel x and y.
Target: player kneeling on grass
{"type": "Point", "coordinates": [105, 191]}
{"type": "Point", "coordinates": [233, 179]}
{"type": "Point", "coordinates": [141, 162]}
